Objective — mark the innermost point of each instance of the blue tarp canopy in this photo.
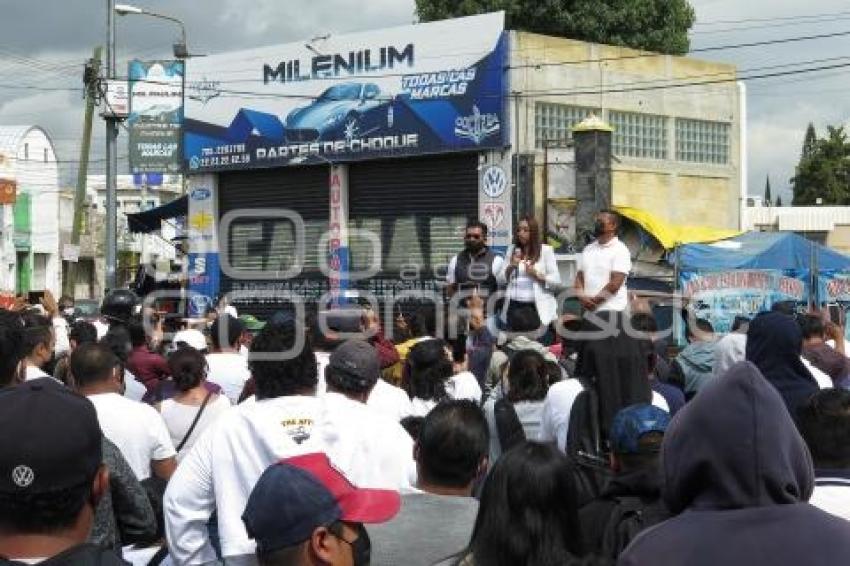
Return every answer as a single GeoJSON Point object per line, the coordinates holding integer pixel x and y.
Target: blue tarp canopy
{"type": "Point", "coordinates": [758, 250]}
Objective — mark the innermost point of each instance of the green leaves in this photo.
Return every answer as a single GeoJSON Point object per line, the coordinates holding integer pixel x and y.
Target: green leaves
{"type": "Point", "coordinates": [824, 169]}
{"type": "Point", "coordinates": [653, 25]}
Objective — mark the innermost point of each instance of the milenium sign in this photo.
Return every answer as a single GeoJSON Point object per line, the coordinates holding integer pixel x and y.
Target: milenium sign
{"type": "Point", "coordinates": [410, 90]}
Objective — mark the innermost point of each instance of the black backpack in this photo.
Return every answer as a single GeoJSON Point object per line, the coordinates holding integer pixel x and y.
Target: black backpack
{"type": "Point", "coordinates": [584, 446]}
{"type": "Point", "coordinates": [630, 516]}
{"type": "Point", "coordinates": [508, 426]}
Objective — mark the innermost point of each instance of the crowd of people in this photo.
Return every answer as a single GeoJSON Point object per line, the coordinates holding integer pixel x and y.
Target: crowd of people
{"type": "Point", "coordinates": [239, 441]}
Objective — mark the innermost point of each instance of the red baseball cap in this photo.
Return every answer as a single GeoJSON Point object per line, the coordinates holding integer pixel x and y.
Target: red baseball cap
{"type": "Point", "coordinates": [296, 495]}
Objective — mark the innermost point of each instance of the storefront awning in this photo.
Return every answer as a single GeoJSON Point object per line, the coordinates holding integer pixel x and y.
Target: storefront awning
{"type": "Point", "coordinates": [671, 235]}
{"type": "Point", "coordinates": [150, 220]}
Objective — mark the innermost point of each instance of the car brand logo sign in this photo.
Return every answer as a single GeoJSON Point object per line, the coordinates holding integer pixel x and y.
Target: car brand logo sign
{"type": "Point", "coordinates": [494, 215]}
{"type": "Point", "coordinates": [201, 193]}
{"type": "Point", "coordinates": [23, 476]}
{"type": "Point", "coordinates": [477, 127]}
{"type": "Point", "coordinates": [204, 90]}
{"type": "Point", "coordinates": [494, 181]}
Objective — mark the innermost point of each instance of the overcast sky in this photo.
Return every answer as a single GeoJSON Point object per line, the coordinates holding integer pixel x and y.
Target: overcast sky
{"type": "Point", "coordinates": [43, 43]}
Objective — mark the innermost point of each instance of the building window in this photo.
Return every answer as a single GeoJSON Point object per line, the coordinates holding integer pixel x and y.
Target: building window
{"type": "Point", "coordinates": [26, 151]}
{"type": "Point", "coordinates": [639, 135]}
{"type": "Point", "coordinates": [699, 141]}
{"type": "Point", "coordinates": [555, 122]}
{"type": "Point", "coordinates": [45, 155]}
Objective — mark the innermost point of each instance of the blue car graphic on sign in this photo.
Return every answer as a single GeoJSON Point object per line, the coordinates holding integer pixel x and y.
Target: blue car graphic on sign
{"type": "Point", "coordinates": [344, 111]}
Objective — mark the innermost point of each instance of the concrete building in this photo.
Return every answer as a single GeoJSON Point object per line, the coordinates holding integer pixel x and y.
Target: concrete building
{"type": "Point", "coordinates": [379, 158]}
{"type": "Point", "coordinates": [828, 225]}
{"type": "Point", "coordinates": [677, 150]}
{"type": "Point", "coordinates": [137, 193]}
{"type": "Point", "coordinates": [29, 247]}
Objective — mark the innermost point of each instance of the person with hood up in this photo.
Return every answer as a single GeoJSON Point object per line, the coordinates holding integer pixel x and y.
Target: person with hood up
{"type": "Point", "coordinates": [774, 345]}
{"type": "Point", "coordinates": [729, 350]}
{"type": "Point", "coordinates": [694, 366]}
{"type": "Point", "coordinates": [738, 477]}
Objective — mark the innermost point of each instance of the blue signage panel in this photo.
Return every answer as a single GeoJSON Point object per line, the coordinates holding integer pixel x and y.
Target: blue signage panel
{"type": "Point", "coordinates": [409, 90]}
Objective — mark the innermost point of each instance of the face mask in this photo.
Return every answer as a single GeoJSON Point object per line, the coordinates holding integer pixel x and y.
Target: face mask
{"type": "Point", "coordinates": [598, 229]}
{"type": "Point", "coordinates": [361, 549]}
{"type": "Point", "coordinates": [68, 311]}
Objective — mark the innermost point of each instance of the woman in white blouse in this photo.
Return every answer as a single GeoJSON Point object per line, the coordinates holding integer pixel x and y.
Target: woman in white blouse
{"type": "Point", "coordinates": [530, 273]}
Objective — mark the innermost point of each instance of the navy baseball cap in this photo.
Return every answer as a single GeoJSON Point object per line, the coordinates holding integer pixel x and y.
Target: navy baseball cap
{"type": "Point", "coordinates": [634, 421]}
{"type": "Point", "coordinates": [50, 438]}
{"type": "Point", "coordinates": [297, 495]}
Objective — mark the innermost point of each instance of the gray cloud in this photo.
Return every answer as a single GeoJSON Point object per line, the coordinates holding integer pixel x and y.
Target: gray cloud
{"type": "Point", "coordinates": [62, 33]}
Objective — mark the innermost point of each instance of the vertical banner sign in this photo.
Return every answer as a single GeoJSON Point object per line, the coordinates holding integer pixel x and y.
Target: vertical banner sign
{"type": "Point", "coordinates": [204, 271]}
{"type": "Point", "coordinates": [720, 296]}
{"type": "Point", "coordinates": [156, 116]}
{"type": "Point", "coordinates": [338, 242]}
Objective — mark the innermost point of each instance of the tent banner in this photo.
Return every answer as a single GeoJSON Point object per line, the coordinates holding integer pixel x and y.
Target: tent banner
{"type": "Point", "coordinates": [834, 287]}
{"type": "Point", "coordinates": [720, 296]}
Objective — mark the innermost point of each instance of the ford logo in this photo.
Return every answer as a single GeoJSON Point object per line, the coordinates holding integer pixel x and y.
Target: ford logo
{"type": "Point", "coordinates": [201, 194]}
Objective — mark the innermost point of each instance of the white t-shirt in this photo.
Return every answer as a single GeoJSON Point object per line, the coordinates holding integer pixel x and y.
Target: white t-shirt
{"type": "Point", "coordinates": [464, 385]}
{"type": "Point", "coordinates": [220, 471]}
{"type": "Point", "coordinates": [832, 494]}
{"type": "Point", "coordinates": [136, 429]}
{"type": "Point", "coordinates": [179, 417]}
{"type": "Point", "coordinates": [133, 388]}
{"type": "Point", "coordinates": [596, 264]}
{"type": "Point", "coordinates": [229, 371]}
{"type": "Point", "coordinates": [32, 372]}
{"type": "Point", "coordinates": [390, 400]}
{"type": "Point", "coordinates": [322, 361]}
{"type": "Point", "coordinates": [521, 285]}
{"type": "Point", "coordinates": [555, 421]}
{"type": "Point", "coordinates": [421, 407]}
{"type": "Point", "coordinates": [822, 379]}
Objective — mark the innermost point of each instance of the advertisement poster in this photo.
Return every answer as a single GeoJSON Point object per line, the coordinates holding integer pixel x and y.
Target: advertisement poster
{"type": "Point", "coordinates": [408, 90]}
{"type": "Point", "coordinates": [156, 116]}
{"type": "Point", "coordinates": [720, 296]}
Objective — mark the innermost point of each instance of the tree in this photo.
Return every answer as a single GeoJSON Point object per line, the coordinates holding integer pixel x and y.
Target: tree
{"type": "Point", "coordinates": [809, 142]}
{"type": "Point", "coordinates": [653, 25]}
{"type": "Point", "coordinates": [779, 200]}
{"type": "Point", "coordinates": [767, 198]}
{"type": "Point", "coordinates": [824, 170]}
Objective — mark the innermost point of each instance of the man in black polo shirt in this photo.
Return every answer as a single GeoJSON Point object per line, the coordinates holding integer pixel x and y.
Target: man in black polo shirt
{"type": "Point", "coordinates": [473, 268]}
{"type": "Point", "coordinates": [476, 266]}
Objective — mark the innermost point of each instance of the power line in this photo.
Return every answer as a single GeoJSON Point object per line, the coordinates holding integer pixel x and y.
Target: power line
{"type": "Point", "coordinates": [700, 50]}
{"type": "Point", "coordinates": [776, 19]}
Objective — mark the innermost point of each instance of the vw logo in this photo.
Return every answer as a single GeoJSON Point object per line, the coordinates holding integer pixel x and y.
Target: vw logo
{"type": "Point", "coordinates": [23, 476]}
{"type": "Point", "coordinates": [494, 181]}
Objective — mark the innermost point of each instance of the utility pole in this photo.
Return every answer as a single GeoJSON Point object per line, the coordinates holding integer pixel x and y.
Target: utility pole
{"type": "Point", "coordinates": [92, 72]}
{"type": "Point", "coordinates": [111, 158]}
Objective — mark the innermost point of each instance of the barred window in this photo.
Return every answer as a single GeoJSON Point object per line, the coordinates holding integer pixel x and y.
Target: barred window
{"type": "Point", "coordinates": [700, 141]}
{"type": "Point", "coordinates": [555, 122]}
{"type": "Point", "coordinates": [639, 135]}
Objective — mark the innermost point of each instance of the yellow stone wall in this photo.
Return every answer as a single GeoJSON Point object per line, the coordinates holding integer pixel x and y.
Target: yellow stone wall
{"type": "Point", "coordinates": [558, 70]}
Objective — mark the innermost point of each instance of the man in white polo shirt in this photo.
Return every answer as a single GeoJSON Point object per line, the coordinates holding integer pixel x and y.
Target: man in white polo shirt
{"type": "Point", "coordinates": [603, 267]}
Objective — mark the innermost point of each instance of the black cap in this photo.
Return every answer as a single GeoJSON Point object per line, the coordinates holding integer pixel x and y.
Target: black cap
{"type": "Point", "coordinates": [50, 438]}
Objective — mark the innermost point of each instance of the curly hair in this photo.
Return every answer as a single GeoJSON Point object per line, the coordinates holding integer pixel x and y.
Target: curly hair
{"type": "Point", "coordinates": [430, 369]}
{"type": "Point", "coordinates": [277, 367]}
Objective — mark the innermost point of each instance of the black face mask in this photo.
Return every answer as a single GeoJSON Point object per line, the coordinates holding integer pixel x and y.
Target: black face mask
{"type": "Point", "coordinates": [598, 229]}
{"type": "Point", "coordinates": [361, 549]}
{"type": "Point", "coordinates": [473, 246]}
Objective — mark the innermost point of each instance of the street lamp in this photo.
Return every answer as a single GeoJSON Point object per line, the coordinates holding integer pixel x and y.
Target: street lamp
{"type": "Point", "coordinates": [180, 52]}
{"type": "Point", "coordinates": [180, 49]}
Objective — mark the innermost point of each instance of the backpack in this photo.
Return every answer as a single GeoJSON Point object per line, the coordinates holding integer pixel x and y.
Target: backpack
{"type": "Point", "coordinates": [628, 518]}
{"type": "Point", "coordinates": [584, 446]}
{"type": "Point", "coordinates": [508, 426]}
